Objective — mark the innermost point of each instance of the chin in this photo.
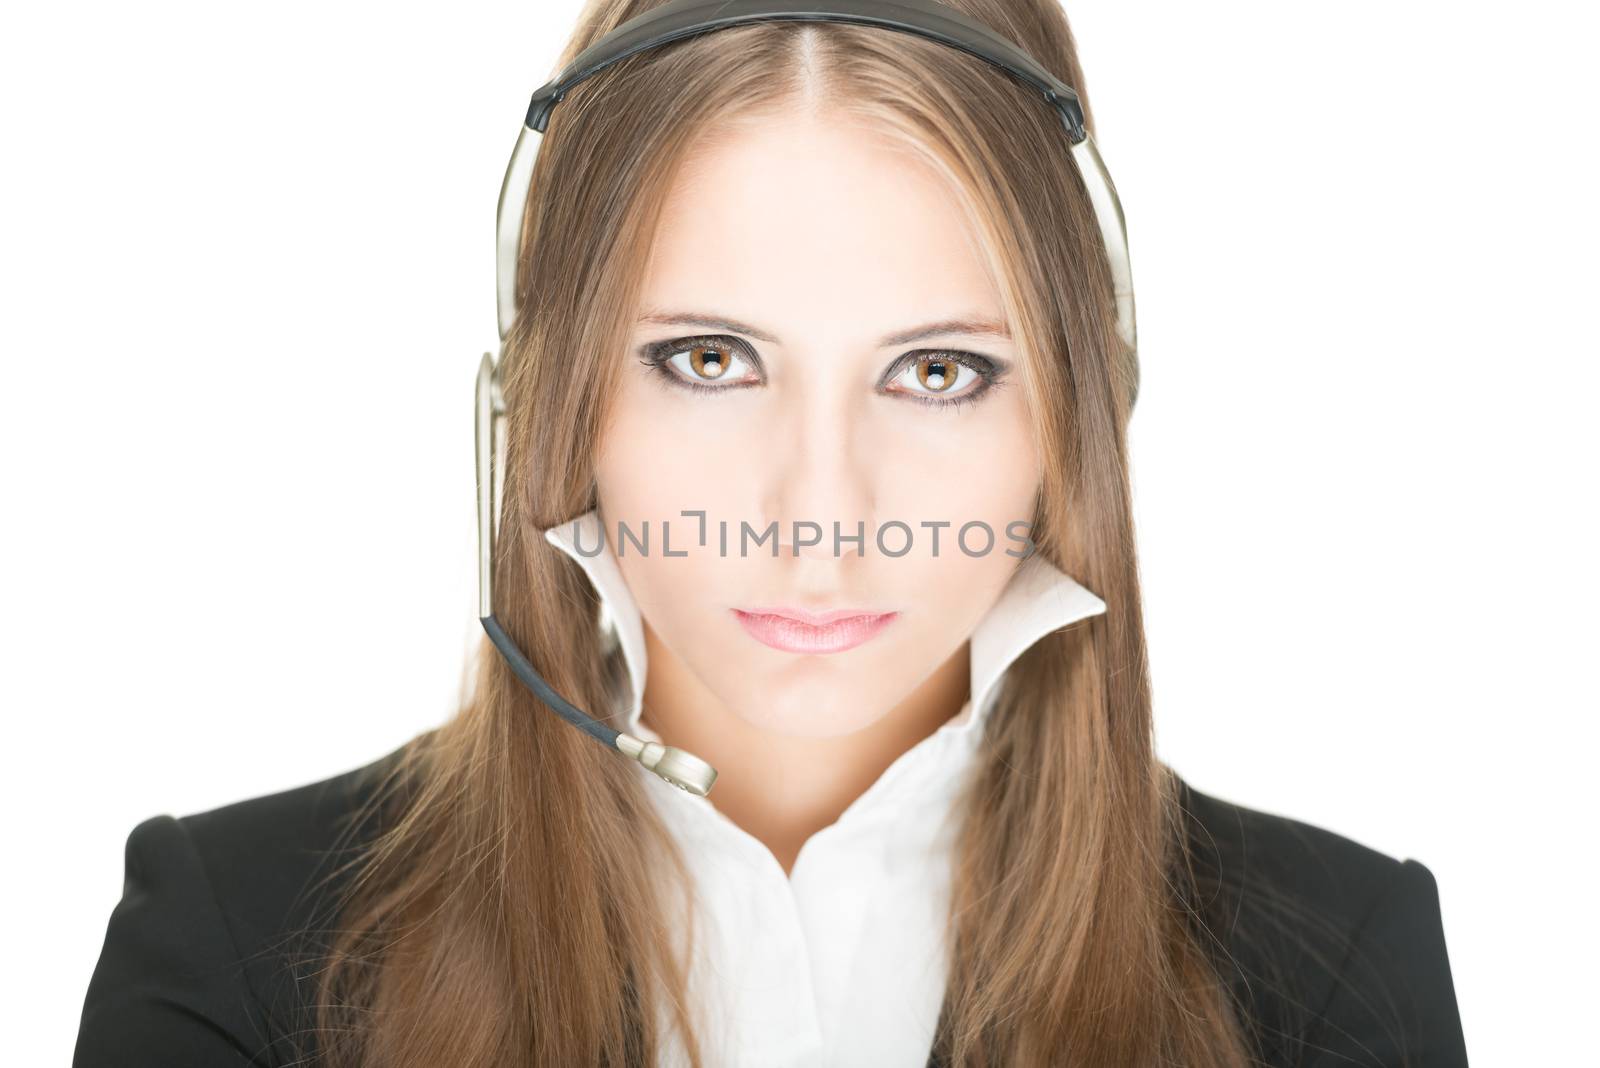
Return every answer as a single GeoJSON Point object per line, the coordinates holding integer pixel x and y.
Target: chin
{"type": "Point", "coordinates": [806, 713]}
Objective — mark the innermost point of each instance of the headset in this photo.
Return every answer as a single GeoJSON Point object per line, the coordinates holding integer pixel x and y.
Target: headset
{"type": "Point", "coordinates": [670, 22]}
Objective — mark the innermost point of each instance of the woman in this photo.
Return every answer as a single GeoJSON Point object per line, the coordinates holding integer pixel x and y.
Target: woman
{"type": "Point", "coordinates": [817, 404]}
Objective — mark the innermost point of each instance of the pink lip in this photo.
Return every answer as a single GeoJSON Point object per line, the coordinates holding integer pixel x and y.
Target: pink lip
{"type": "Point", "coordinates": [795, 630]}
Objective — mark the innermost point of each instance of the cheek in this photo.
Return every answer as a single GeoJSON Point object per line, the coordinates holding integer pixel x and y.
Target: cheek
{"type": "Point", "coordinates": [653, 463]}
{"type": "Point", "coordinates": [662, 453]}
{"type": "Point", "coordinates": [982, 476]}
{"type": "Point", "coordinates": [978, 467]}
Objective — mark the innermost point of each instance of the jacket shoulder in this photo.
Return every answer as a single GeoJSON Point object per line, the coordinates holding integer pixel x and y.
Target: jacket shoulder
{"type": "Point", "coordinates": [206, 950]}
{"type": "Point", "coordinates": [1334, 950]}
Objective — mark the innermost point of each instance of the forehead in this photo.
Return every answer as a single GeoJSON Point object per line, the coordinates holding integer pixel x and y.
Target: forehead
{"type": "Point", "coordinates": [805, 224]}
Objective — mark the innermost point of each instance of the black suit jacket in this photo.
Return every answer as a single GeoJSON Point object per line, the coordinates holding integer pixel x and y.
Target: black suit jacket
{"type": "Point", "coordinates": [1333, 950]}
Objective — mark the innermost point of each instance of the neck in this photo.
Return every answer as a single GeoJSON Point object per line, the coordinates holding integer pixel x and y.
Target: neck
{"type": "Point", "coordinates": [780, 788]}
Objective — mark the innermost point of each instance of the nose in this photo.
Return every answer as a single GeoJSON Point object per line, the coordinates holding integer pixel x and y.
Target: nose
{"type": "Point", "coordinates": [821, 478]}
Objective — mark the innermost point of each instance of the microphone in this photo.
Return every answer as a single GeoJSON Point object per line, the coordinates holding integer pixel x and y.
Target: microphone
{"type": "Point", "coordinates": [677, 766]}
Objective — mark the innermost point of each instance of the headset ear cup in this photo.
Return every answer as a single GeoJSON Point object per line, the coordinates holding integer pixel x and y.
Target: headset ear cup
{"type": "Point", "coordinates": [1113, 228]}
{"type": "Point", "coordinates": [499, 437]}
{"type": "Point", "coordinates": [513, 204]}
{"type": "Point", "coordinates": [488, 418]}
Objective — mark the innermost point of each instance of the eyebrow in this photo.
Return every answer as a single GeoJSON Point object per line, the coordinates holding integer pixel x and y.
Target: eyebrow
{"type": "Point", "coordinates": [971, 326]}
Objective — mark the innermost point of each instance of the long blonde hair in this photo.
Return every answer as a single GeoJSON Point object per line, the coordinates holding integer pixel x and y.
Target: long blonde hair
{"type": "Point", "coordinates": [514, 904]}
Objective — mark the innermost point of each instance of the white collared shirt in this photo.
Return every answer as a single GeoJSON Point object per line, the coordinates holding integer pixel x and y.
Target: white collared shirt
{"type": "Point", "coordinates": [841, 962]}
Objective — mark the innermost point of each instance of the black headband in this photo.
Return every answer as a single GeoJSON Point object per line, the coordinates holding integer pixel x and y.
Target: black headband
{"type": "Point", "coordinates": [925, 18]}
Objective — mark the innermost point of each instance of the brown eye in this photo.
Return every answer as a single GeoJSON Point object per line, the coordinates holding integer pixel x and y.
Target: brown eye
{"type": "Point", "coordinates": [942, 378]}
{"type": "Point", "coordinates": [933, 375]}
{"type": "Point", "coordinates": [937, 373]}
{"type": "Point", "coordinates": [708, 361]}
{"type": "Point", "coordinates": [707, 364]}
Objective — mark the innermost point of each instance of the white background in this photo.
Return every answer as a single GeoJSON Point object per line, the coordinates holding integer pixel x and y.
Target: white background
{"type": "Point", "coordinates": [247, 256]}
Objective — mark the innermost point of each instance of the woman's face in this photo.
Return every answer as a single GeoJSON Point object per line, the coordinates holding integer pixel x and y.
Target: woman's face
{"type": "Point", "coordinates": [772, 376]}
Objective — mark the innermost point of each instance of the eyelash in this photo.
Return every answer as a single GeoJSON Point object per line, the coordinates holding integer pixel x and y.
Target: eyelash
{"type": "Point", "coordinates": [658, 353]}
